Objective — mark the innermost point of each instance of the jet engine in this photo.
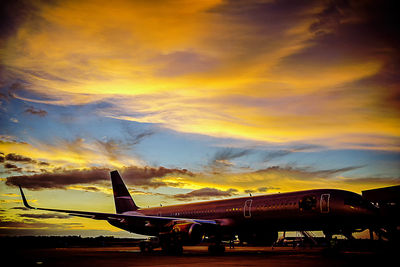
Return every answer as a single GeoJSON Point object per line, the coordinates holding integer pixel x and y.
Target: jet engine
{"type": "Point", "coordinates": [189, 233]}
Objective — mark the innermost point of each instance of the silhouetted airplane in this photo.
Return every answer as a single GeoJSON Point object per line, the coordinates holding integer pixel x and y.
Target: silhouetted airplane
{"type": "Point", "coordinates": [253, 219]}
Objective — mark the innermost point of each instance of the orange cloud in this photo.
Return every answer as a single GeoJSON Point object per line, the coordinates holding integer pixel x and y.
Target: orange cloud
{"type": "Point", "coordinates": [198, 67]}
{"type": "Point", "coordinates": [77, 153]}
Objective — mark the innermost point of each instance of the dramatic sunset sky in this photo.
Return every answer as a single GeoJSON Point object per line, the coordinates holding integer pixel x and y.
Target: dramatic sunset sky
{"type": "Point", "coordinates": [191, 100]}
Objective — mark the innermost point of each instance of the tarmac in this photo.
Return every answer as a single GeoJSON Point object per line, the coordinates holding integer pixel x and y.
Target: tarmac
{"type": "Point", "coordinates": [195, 256]}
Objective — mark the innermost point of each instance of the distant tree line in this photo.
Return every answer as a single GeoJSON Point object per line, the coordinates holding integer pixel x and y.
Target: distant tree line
{"type": "Point", "coordinates": [21, 242]}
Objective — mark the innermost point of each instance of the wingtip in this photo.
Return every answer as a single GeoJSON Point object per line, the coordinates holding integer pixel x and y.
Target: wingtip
{"type": "Point", "coordinates": [24, 199]}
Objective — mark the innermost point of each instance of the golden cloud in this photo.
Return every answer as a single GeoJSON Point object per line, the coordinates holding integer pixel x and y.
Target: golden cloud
{"type": "Point", "coordinates": [77, 153]}
{"type": "Point", "coordinates": [198, 66]}
{"type": "Point", "coordinates": [280, 179]}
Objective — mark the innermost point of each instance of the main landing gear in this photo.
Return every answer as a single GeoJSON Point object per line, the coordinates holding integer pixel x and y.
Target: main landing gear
{"type": "Point", "coordinates": [145, 247]}
{"type": "Point", "coordinates": [172, 244]}
{"type": "Point", "coordinates": [216, 249]}
{"type": "Point", "coordinates": [173, 249]}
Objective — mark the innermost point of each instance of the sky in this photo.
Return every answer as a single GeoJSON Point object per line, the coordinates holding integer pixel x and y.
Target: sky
{"type": "Point", "coordinates": [191, 101]}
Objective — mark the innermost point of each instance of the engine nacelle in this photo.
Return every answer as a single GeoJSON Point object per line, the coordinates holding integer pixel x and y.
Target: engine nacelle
{"type": "Point", "coordinates": [190, 233]}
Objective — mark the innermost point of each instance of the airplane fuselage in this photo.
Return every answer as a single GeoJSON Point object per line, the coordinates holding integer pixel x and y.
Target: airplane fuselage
{"type": "Point", "coordinates": [323, 209]}
{"type": "Point", "coordinates": [254, 218]}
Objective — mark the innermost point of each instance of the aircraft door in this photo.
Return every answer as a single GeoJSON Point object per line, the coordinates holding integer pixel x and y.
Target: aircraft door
{"type": "Point", "coordinates": [324, 203]}
{"type": "Point", "coordinates": [247, 208]}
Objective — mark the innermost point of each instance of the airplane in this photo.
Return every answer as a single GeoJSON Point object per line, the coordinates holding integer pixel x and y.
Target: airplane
{"type": "Point", "coordinates": [253, 219]}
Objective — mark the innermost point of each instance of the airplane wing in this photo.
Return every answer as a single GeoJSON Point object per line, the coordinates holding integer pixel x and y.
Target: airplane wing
{"type": "Point", "coordinates": [138, 217]}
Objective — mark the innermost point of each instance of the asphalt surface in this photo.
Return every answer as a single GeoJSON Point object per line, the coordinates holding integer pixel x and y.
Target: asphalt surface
{"type": "Point", "coordinates": [195, 256]}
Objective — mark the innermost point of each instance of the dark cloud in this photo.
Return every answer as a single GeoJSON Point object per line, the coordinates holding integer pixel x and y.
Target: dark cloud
{"type": "Point", "coordinates": [306, 172]}
{"type": "Point", "coordinates": [34, 111]}
{"type": "Point", "coordinates": [45, 216]}
{"type": "Point", "coordinates": [385, 181]}
{"type": "Point", "coordinates": [377, 18]}
{"type": "Point", "coordinates": [305, 147]}
{"type": "Point", "coordinates": [271, 16]}
{"type": "Point", "coordinates": [222, 159]}
{"type": "Point", "coordinates": [144, 176]}
{"type": "Point", "coordinates": [296, 148]}
{"type": "Point", "coordinates": [3, 96]}
{"type": "Point", "coordinates": [18, 158]}
{"type": "Point", "coordinates": [276, 154]}
{"type": "Point", "coordinates": [266, 24]}
{"type": "Point", "coordinates": [205, 193]}
{"type": "Point", "coordinates": [9, 90]}
{"type": "Point", "coordinates": [1, 158]}
{"type": "Point", "coordinates": [136, 138]}
{"type": "Point", "coordinates": [265, 189]}
{"type": "Point", "coordinates": [359, 32]}
{"type": "Point", "coordinates": [61, 178]}
{"type": "Point", "coordinates": [231, 153]}
{"type": "Point", "coordinates": [22, 159]}
{"type": "Point", "coordinates": [331, 172]}
{"type": "Point", "coordinates": [355, 31]}
{"type": "Point", "coordinates": [115, 149]}
{"type": "Point", "coordinates": [330, 17]}
{"type": "Point", "coordinates": [33, 224]}
{"type": "Point", "coordinates": [12, 14]}
{"type": "Point", "coordinates": [10, 166]}
{"type": "Point", "coordinates": [20, 208]}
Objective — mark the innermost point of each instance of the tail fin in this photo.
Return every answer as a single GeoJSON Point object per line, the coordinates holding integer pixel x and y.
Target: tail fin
{"type": "Point", "coordinates": [122, 198]}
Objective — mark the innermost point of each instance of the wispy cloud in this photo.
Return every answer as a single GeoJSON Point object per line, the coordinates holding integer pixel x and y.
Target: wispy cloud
{"type": "Point", "coordinates": [271, 155]}
{"type": "Point", "coordinates": [78, 152]}
{"type": "Point", "coordinates": [223, 158]}
{"type": "Point", "coordinates": [116, 149]}
{"type": "Point", "coordinates": [285, 179]}
{"type": "Point", "coordinates": [39, 112]}
{"type": "Point", "coordinates": [33, 224]}
{"type": "Point", "coordinates": [63, 178]}
{"type": "Point", "coordinates": [205, 193]}
{"type": "Point", "coordinates": [311, 58]}
{"type": "Point", "coordinates": [45, 216]}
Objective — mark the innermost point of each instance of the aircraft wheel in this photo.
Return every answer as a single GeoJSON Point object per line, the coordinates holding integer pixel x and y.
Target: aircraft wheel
{"type": "Point", "coordinates": [142, 247]}
{"type": "Point", "coordinates": [173, 249]}
{"type": "Point", "coordinates": [216, 249]}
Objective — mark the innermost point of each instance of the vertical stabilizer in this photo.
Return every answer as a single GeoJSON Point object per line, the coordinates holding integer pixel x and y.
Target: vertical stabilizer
{"type": "Point", "coordinates": [122, 198]}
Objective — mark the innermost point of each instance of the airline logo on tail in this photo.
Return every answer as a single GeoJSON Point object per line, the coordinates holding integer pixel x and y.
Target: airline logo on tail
{"type": "Point", "coordinates": [122, 198]}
